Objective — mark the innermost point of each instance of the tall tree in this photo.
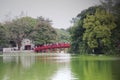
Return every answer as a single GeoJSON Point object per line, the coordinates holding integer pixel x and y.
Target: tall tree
{"type": "Point", "coordinates": [44, 32]}
{"type": "Point", "coordinates": [3, 38]}
{"type": "Point", "coordinates": [113, 6]}
{"type": "Point", "coordinates": [98, 30]}
{"type": "Point", "coordinates": [63, 35]}
{"type": "Point", "coordinates": [77, 30]}
{"type": "Point", "coordinates": [108, 5]}
{"type": "Point", "coordinates": [20, 28]}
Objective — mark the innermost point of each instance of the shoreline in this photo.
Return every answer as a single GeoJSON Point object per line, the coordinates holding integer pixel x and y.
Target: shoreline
{"type": "Point", "coordinates": [29, 53]}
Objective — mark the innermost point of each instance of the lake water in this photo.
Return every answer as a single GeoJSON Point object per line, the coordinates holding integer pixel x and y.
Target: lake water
{"type": "Point", "coordinates": [57, 68]}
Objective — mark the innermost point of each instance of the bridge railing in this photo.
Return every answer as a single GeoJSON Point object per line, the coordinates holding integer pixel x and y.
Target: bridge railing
{"type": "Point", "coordinates": [51, 47]}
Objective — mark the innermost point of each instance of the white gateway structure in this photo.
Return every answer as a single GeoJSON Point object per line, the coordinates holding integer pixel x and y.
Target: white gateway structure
{"type": "Point", "coordinates": [27, 44]}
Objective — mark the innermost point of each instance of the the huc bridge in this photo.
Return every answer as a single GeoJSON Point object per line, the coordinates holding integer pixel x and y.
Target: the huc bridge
{"type": "Point", "coordinates": [52, 48]}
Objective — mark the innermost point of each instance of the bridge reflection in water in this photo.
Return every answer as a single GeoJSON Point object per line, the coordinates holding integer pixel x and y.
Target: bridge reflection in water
{"type": "Point", "coordinates": [36, 67]}
{"type": "Point", "coordinates": [27, 60]}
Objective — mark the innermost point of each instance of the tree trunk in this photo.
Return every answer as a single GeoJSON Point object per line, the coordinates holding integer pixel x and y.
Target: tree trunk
{"type": "Point", "coordinates": [98, 50]}
{"type": "Point", "coordinates": [19, 44]}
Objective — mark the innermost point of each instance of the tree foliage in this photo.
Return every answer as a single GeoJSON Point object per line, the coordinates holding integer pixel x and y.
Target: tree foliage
{"type": "Point", "coordinates": [38, 30]}
{"type": "Point", "coordinates": [63, 35]}
{"type": "Point", "coordinates": [77, 30]}
{"type": "Point", "coordinates": [19, 28]}
{"type": "Point", "coordinates": [2, 36]}
{"type": "Point", "coordinates": [44, 32]}
{"type": "Point", "coordinates": [98, 29]}
{"type": "Point", "coordinates": [113, 7]}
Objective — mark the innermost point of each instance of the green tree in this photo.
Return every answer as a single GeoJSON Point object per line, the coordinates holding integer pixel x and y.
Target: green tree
{"type": "Point", "coordinates": [76, 33]}
{"type": "Point", "coordinates": [63, 35]}
{"type": "Point", "coordinates": [108, 5]}
{"type": "Point", "coordinates": [98, 30]}
{"type": "Point", "coordinates": [113, 7]}
{"type": "Point", "coordinates": [44, 32]}
{"type": "Point", "coordinates": [3, 38]}
{"type": "Point", "coordinates": [77, 30]}
{"type": "Point", "coordinates": [116, 31]}
{"type": "Point", "coordinates": [38, 30]}
{"type": "Point", "coordinates": [20, 28]}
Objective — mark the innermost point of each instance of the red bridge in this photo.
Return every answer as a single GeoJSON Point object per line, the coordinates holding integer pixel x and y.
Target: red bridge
{"type": "Point", "coordinates": [52, 47]}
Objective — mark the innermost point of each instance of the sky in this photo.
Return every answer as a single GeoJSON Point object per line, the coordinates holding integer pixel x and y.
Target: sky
{"type": "Point", "coordinates": [60, 12]}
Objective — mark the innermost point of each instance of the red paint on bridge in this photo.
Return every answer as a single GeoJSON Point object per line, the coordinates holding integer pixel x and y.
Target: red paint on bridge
{"type": "Point", "coordinates": [51, 47]}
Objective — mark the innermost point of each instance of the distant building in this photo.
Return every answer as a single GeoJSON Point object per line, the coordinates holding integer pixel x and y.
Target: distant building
{"type": "Point", "coordinates": [27, 44]}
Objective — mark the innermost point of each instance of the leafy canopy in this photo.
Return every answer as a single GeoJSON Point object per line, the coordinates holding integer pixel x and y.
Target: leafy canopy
{"type": "Point", "coordinates": [98, 29]}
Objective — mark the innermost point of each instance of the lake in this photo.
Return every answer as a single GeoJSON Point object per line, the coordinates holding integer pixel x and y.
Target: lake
{"type": "Point", "coordinates": [58, 67]}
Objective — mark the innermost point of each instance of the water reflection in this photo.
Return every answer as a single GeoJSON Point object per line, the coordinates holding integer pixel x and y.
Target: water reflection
{"type": "Point", "coordinates": [63, 73]}
{"type": "Point", "coordinates": [97, 70]}
{"type": "Point", "coordinates": [25, 61]}
{"type": "Point", "coordinates": [115, 70]}
{"type": "Point", "coordinates": [34, 67]}
{"type": "Point", "coordinates": [7, 59]}
{"type": "Point", "coordinates": [64, 70]}
{"type": "Point", "coordinates": [94, 70]}
{"type": "Point", "coordinates": [57, 68]}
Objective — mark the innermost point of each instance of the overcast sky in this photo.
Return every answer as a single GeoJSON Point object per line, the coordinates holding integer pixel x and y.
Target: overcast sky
{"type": "Point", "coordinates": [59, 11]}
